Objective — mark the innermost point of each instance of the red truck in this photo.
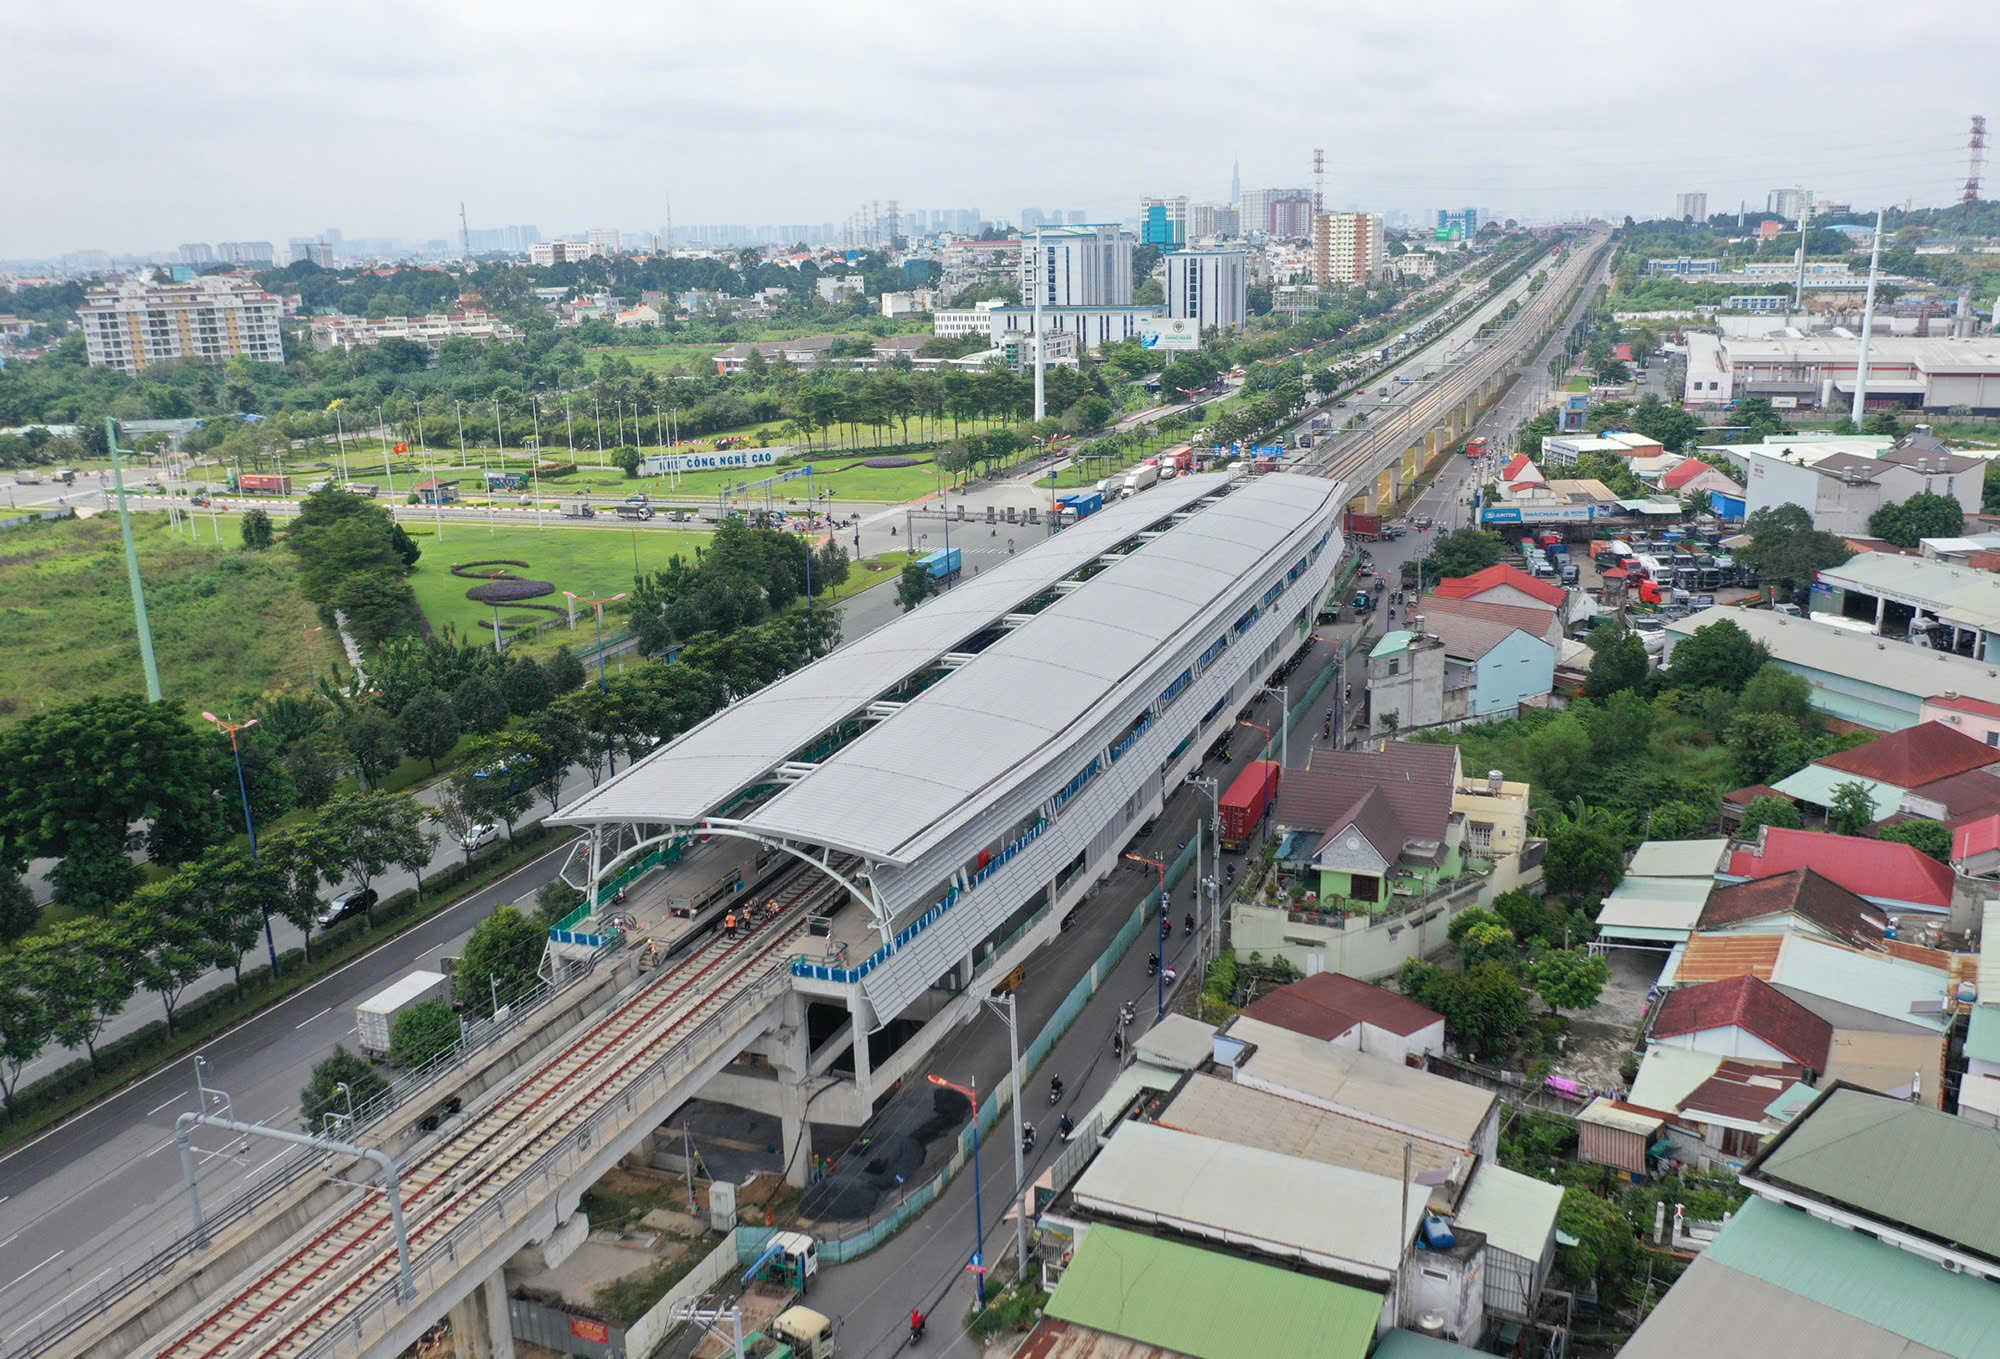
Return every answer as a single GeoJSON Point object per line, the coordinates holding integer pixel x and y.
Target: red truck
{"type": "Point", "coordinates": [1248, 798]}
{"type": "Point", "coordinates": [1476, 448]}
{"type": "Point", "coordinates": [251, 481]}
{"type": "Point", "coordinates": [1367, 527]}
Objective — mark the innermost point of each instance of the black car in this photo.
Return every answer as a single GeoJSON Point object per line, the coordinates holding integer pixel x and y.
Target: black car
{"type": "Point", "coordinates": [354, 901]}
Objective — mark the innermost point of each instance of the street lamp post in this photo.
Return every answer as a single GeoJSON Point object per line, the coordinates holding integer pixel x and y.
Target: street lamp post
{"type": "Point", "coordinates": [1006, 1011]}
{"type": "Point", "coordinates": [1160, 972]}
{"type": "Point", "coordinates": [597, 630]}
{"type": "Point", "coordinates": [978, 1262]}
{"type": "Point", "coordinates": [249, 825]}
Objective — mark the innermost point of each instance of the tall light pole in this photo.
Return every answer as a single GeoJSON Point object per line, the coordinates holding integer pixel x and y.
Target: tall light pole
{"type": "Point", "coordinates": [249, 824]}
{"type": "Point", "coordinates": [978, 1262]}
{"type": "Point", "coordinates": [1160, 972]}
{"type": "Point", "coordinates": [1867, 321]}
{"type": "Point", "coordinates": [145, 626]}
{"type": "Point", "coordinates": [1041, 347]}
{"type": "Point", "coordinates": [1006, 1011]}
{"type": "Point", "coordinates": [388, 471]}
{"type": "Point", "coordinates": [597, 630]}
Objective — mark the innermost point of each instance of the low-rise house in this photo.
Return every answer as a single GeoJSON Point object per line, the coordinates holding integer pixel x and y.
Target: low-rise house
{"type": "Point", "coordinates": [1797, 902]}
{"type": "Point", "coordinates": [1892, 877]}
{"type": "Point", "coordinates": [1504, 584]}
{"type": "Point", "coordinates": [1349, 1012]}
{"type": "Point", "coordinates": [1745, 1019]}
{"type": "Point", "coordinates": [1621, 1135]}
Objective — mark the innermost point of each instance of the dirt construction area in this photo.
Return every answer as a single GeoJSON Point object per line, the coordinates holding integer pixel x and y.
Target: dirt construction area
{"type": "Point", "coordinates": [1600, 1037]}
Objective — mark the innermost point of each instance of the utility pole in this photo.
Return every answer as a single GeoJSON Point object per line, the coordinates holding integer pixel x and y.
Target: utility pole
{"type": "Point", "coordinates": [146, 660]}
{"type": "Point", "coordinates": [1805, 224]}
{"type": "Point", "coordinates": [1867, 325]}
{"type": "Point", "coordinates": [1041, 345]}
{"type": "Point", "coordinates": [1005, 1009]}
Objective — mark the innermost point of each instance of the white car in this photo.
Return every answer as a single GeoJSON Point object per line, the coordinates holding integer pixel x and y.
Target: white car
{"type": "Point", "coordinates": [481, 836]}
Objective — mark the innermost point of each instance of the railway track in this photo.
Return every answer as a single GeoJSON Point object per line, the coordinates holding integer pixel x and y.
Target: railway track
{"type": "Point", "coordinates": [285, 1307]}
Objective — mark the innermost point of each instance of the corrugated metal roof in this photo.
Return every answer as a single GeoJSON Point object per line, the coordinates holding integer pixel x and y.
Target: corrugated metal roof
{"type": "Point", "coordinates": [1880, 869]}
{"type": "Point", "coordinates": [1280, 1205]}
{"type": "Point", "coordinates": [1668, 1075]}
{"type": "Point", "coordinates": [1888, 1061]}
{"type": "Point", "coordinates": [1609, 1113]}
{"type": "Point", "coordinates": [705, 766]}
{"type": "Point", "coordinates": [1178, 1041]}
{"type": "Point", "coordinates": [1873, 982]}
{"type": "Point", "coordinates": [1959, 593]}
{"type": "Point", "coordinates": [1714, 1310]}
{"type": "Point", "coordinates": [1816, 784]}
{"type": "Point", "coordinates": [1678, 858]}
{"type": "Point", "coordinates": [1916, 672]}
{"type": "Point", "coordinates": [1666, 904]}
{"type": "Point", "coordinates": [1209, 1106]}
{"type": "Point", "coordinates": [1207, 1303]}
{"type": "Point", "coordinates": [1712, 957]}
{"type": "Point", "coordinates": [996, 721]}
{"type": "Point", "coordinates": [1982, 1035]}
{"type": "Point", "coordinates": [1855, 1274]}
{"type": "Point", "coordinates": [1354, 1082]}
{"type": "Point", "coordinates": [1516, 1212]}
{"type": "Point", "coordinates": [1410, 1345]}
{"type": "Point", "coordinates": [1899, 1162]}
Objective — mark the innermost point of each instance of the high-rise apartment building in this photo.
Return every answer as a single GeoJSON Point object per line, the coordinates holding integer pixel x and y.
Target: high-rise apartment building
{"type": "Point", "coordinates": [1283, 214]}
{"type": "Point", "coordinates": [313, 249]}
{"type": "Point", "coordinates": [1691, 207]}
{"type": "Point", "coordinates": [1078, 216]}
{"type": "Point", "coordinates": [1033, 217]}
{"type": "Point", "coordinates": [1462, 223]}
{"type": "Point", "coordinates": [196, 252]}
{"type": "Point", "coordinates": [133, 325]}
{"type": "Point", "coordinates": [604, 240]}
{"type": "Point", "coordinates": [1164, 221]}
{"type": "Point", "coordinates": [1790, 204]}
{"type": "Point", "coordinates": [1212, 219]}
{"type": "Point", "coordinates": [1210, 287]}
{"type": "Point", "coordinates": [1077, 266]}
{"type": "Point", "coordinates": [256, 254]}
{"type": "Point", "coordinates": [1349, 248]}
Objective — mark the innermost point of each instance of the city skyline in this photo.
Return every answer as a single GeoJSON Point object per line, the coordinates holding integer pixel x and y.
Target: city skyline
{"type": "Point", "coordinates": [383, 122]}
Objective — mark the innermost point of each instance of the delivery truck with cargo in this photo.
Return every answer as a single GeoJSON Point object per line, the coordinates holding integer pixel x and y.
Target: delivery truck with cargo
{"type": "Point", "coordinates": [943, 565]}
{"type": "Point", "coordinates": [577, 509]}
{"type": "Point", "coordinates": [376, 1016]}
{"type": "Point", "coordinates": [257, 481]}
{"type": "Point", "coordinates": [1248, 798]}
{"type": "Point", "coordinates": [1140, 478]}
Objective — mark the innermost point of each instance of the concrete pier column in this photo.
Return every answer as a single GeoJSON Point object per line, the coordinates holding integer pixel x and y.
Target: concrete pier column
{"type": "Point", "coordinates": [480, 1328]}
{"type": "Point", "coordinates": [864, 1072]}
{"type": "Point", "coordinates": [791, 1054]}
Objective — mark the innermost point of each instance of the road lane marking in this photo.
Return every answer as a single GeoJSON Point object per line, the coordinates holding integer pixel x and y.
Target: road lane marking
{"type": "Point", "coordinates": [10, 1241]}
{"type": "Point", "coordinates": [157, 1107]}
{"type": "Point", "coordinates": [11, 1282]}
{"type": "Point", "coordinates": [303, 1022]}
{"type": "Point", "coordinates": [162, 1147]}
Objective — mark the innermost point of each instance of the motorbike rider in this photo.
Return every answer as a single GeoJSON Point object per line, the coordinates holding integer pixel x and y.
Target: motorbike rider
{"type": "Point", "coordinates": [916, 1322]}
{"type": "Point", "coordinates": [1055, 1088]}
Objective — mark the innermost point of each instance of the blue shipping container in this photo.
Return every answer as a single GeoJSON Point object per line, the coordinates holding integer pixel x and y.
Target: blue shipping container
{"type": "Point", "coordinates": [942, 565]}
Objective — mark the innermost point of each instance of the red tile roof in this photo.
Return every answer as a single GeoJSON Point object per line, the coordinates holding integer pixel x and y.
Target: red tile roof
{"type": "Point", "coordinates": [1493, 577]}
{"type": "Point", "coordinates": [1802, 892]}
{"type": "Point", "coordinates": [1963, 795]}
{"type": "Point", "coordinates": [1914, 756]}
{"type": "Point", "coordinates": [1869, 868]}
{"type": "Point", "coordinates": [1328, 1004]}
{"type": "Point", "coordinates": [1980, 835]}
{"type": "Point", "coordinates": [1756, 1007]}
{"type": "Point", "coordinates": [1741, 1090]}
{"type": "Point", "coordinates": [1515, 464]}
{"type": "Point", "coordinates": [1960, 703]}
{"type": "Point", "coordinates": [1743, 797]}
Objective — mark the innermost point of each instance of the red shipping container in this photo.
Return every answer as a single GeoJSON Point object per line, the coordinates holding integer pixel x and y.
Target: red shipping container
{"type": "Point", "coordinates": [1248, 798]}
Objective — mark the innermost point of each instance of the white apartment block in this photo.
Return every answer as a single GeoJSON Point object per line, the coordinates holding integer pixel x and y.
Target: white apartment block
{"type": "Point", "coordinates": [957, 321]}
{"type": "Point", "coordinates": [1077, 266]}
{"type": "Point", "coordinates": [133, 325]}
{"type": "Point", "coordinates": [1209, 287]}
{"type": "Point", "coordinates": [1349, 248]}
{"type": "Point", "coordinates": [545, 253]}
{"type": "Point", "coordinates": [1691, 205]}
{"type": "Point", "coordinates": [602, 241]}
{"type": "Point", "coordinates": [346, 332]}
{"type": "Point", "coordinates": [246, 252]}
{"type": "Point", "coordinates": [1416, 264]}
{"type": "Point", "coordinates": [912, 303]}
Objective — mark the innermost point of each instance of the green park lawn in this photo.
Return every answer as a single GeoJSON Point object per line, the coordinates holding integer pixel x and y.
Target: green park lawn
{"type": "Point", "coordinates": [593, 562]}
{"type": "Point", "coordinates": [227, 624]}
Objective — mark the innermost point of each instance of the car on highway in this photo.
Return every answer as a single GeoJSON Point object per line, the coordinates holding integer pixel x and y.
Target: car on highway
{"type": "Point", "coordinates": [1391, 532]}
{"type": "Point", "coordinates": [637, 498]}
{"type": "Point", "coordinates": [1422, 521]}
{"type": "Point", "coordinates": [354, 901]}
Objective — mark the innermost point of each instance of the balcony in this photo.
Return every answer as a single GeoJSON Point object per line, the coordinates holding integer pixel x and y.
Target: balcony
{"type": "Point", "coordinates": [1406, 897]}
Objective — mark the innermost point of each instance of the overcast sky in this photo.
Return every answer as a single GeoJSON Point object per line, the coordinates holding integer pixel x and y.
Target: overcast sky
{"type": "Point", "coordinates": [138, 125]}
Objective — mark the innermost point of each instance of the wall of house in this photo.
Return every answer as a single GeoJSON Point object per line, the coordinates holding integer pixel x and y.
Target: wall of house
{"type": "Point", "coordinates": [1506, 812]}
{"type": "Point", "coordinates": [1392, 1046]}
{"type": "Point", "coordinates": [1452, 1284]}
{"type": "Point", "coordinates": [1729, 1040]}
{"type": "Point", "coordinates": [1520, 667]}
{"type": "Point", "coordinates": [1975, 725]}
{"type": "Point", "coordinates": [1367, 947]}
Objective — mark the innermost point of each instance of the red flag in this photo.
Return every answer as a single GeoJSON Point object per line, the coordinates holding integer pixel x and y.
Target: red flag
{"type": "Point", "coordinates": [402, 448]}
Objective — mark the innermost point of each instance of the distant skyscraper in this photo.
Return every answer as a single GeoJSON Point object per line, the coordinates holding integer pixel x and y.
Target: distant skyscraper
{"type": "Point", "coordinates": [258, 254]}
{"type": "Point", "coordinates": [1691, 207]}
{"type": "Point", "coordinates": [1464, 222]}
{"type": "Point", "coordinates": [132, 325]}
{"type": "Point", "coordinates": [1078, 216]}
{"type": "Point", "coordinates": [1163, 221]}
{"type": "Point", "coordinates": [1031, 218]}
{"type": "Point", "coordinates": [1791, 204]}
{"type": "Point", "coordinates": [1255, 209]}
{"type": "Point", "coordinates": [1208, 287]}
{"type": "Point", "coordinates": [196, 252]}
{"type": "Point", "coordinates": [1235, 183]}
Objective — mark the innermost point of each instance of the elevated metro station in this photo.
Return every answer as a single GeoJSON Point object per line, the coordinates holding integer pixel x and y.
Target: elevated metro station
{"type": "Point", "coordinates": [942, 791]}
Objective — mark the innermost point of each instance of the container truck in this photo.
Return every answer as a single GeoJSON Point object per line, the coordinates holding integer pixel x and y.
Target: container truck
{"type": "Point", "coordinates": [27, 478]}
{"type": "Point", "coordinates": [256, 481]}
{"type": "Point", "coordinates": [943, 564]}
{"type": "Point", "coordinates": [376, 1016]}
{"type": "Point", "coordinates": [577, 509]}
{"type": "Point", "coordinates": [1248, 798]}
{"type": "Point", "coordinates": [1367, 527]}
{"type": "Point", "coordinates": [1075, 505]}
{"type": "Point", "coordinates": [635, 511]}
{"type": "Point", "coordinates": [1141, 477]}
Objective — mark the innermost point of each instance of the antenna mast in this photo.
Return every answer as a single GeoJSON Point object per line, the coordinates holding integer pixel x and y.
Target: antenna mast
{"type": "Point", "coordinates": [1975, 159]}
{"type": "Point", "coordinates": [1319, 180]}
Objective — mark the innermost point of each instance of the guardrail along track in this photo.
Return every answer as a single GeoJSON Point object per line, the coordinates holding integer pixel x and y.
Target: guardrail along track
{"type": "Point", "coordinates": [281, 1310]}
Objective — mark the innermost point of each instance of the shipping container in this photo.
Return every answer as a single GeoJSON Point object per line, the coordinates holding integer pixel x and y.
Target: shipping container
{"type": "Point", "coordinates": [376, 1016]}
{"type": "Point", "coordinates": [1248, 798]}
{"type": "Point", "coordinates": [943, 564]}
{"type": "Point", "coordinates": [253, 481]}
{"type": "Point", "coordinates": [1359, 525]}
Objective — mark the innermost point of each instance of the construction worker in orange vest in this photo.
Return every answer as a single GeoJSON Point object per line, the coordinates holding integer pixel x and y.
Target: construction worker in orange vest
{"type": "Point", "coordinates": [729, 924]}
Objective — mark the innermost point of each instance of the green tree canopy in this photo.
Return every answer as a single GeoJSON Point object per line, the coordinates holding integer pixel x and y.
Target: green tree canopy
{"type": "Point", "coordinates": [1463, 552]}
{"type": "Point", "coordinates": [257, 534]}
{"type": "Point", "coordinates": [1676, 821]}
{"type": "Point", "coordinates": [430, 727]}
{"type": "Point", "coordinates": [1618, 661]}
{"type": "Point", "coordinates": [1483, 1006]}
{"type": "Point", "coordinates": [322, 1094]}
{"type": "Point", "coordinates": [565, 672]}
{"type": "Point", "coordinates": [1569, 978]}
{"type": "Point", "coordinates": [501, 954]}
{"type": "Point", "coordinates": [1787, 549]}
{"type": "Point", "coordinates": [915, 585]}
{"type": "Point", "coordinates": [1852, 809]}
{"type": "Point", "coordinates": [1765, 747]}
{"type": "Point", "coordinates": [1766, 810]}
{"type": "Point", "coordinates": [420, 1033]}
{"type": "Point", "coordinates": [1923, 515]}
{"type": "Point", "coordinates": [1774, 689]}
{"type": "Point", "coordinates": [1928, 836]}
{"type": "Point", "coordinates": [1718, 656]}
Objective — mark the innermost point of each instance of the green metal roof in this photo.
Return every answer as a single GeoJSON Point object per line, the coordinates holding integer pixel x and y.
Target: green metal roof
{"type": "Point", "coordinates": [1982, 1035]}
{"type": "Point", "coordinates": [1816, 784]}
{"type": "Point", "coordinates": [1899, 1162]}
{"type": "Point", "coordinates": [1208, 1304]}
{"type": "Point", "coordinates": [1391, 643]}
{"type": "Point", "coordinates": [1954, 1314]}
{"type": "Point", "coordinates": [1410, 1345]}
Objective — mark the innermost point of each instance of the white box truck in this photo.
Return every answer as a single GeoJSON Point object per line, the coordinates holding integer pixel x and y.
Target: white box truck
{"type": "Point", "coordinates": [1141, 477]}
{"type": "Point", "coordinates": [376, 1016]}
{"type": "Point", "coordinates": [577, 509]}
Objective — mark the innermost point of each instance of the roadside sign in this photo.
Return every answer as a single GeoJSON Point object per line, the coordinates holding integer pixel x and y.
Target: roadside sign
{"type": "Point", "coordinates": [978, 1263]}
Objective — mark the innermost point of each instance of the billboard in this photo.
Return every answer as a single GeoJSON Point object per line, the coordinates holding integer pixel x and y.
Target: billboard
{"type": "Point", "coordinates": [1164, 332]}
{"type": "Point", "coordinates": [1537, 514]}
{"type": "Point", "coordinates": [662, 463]}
